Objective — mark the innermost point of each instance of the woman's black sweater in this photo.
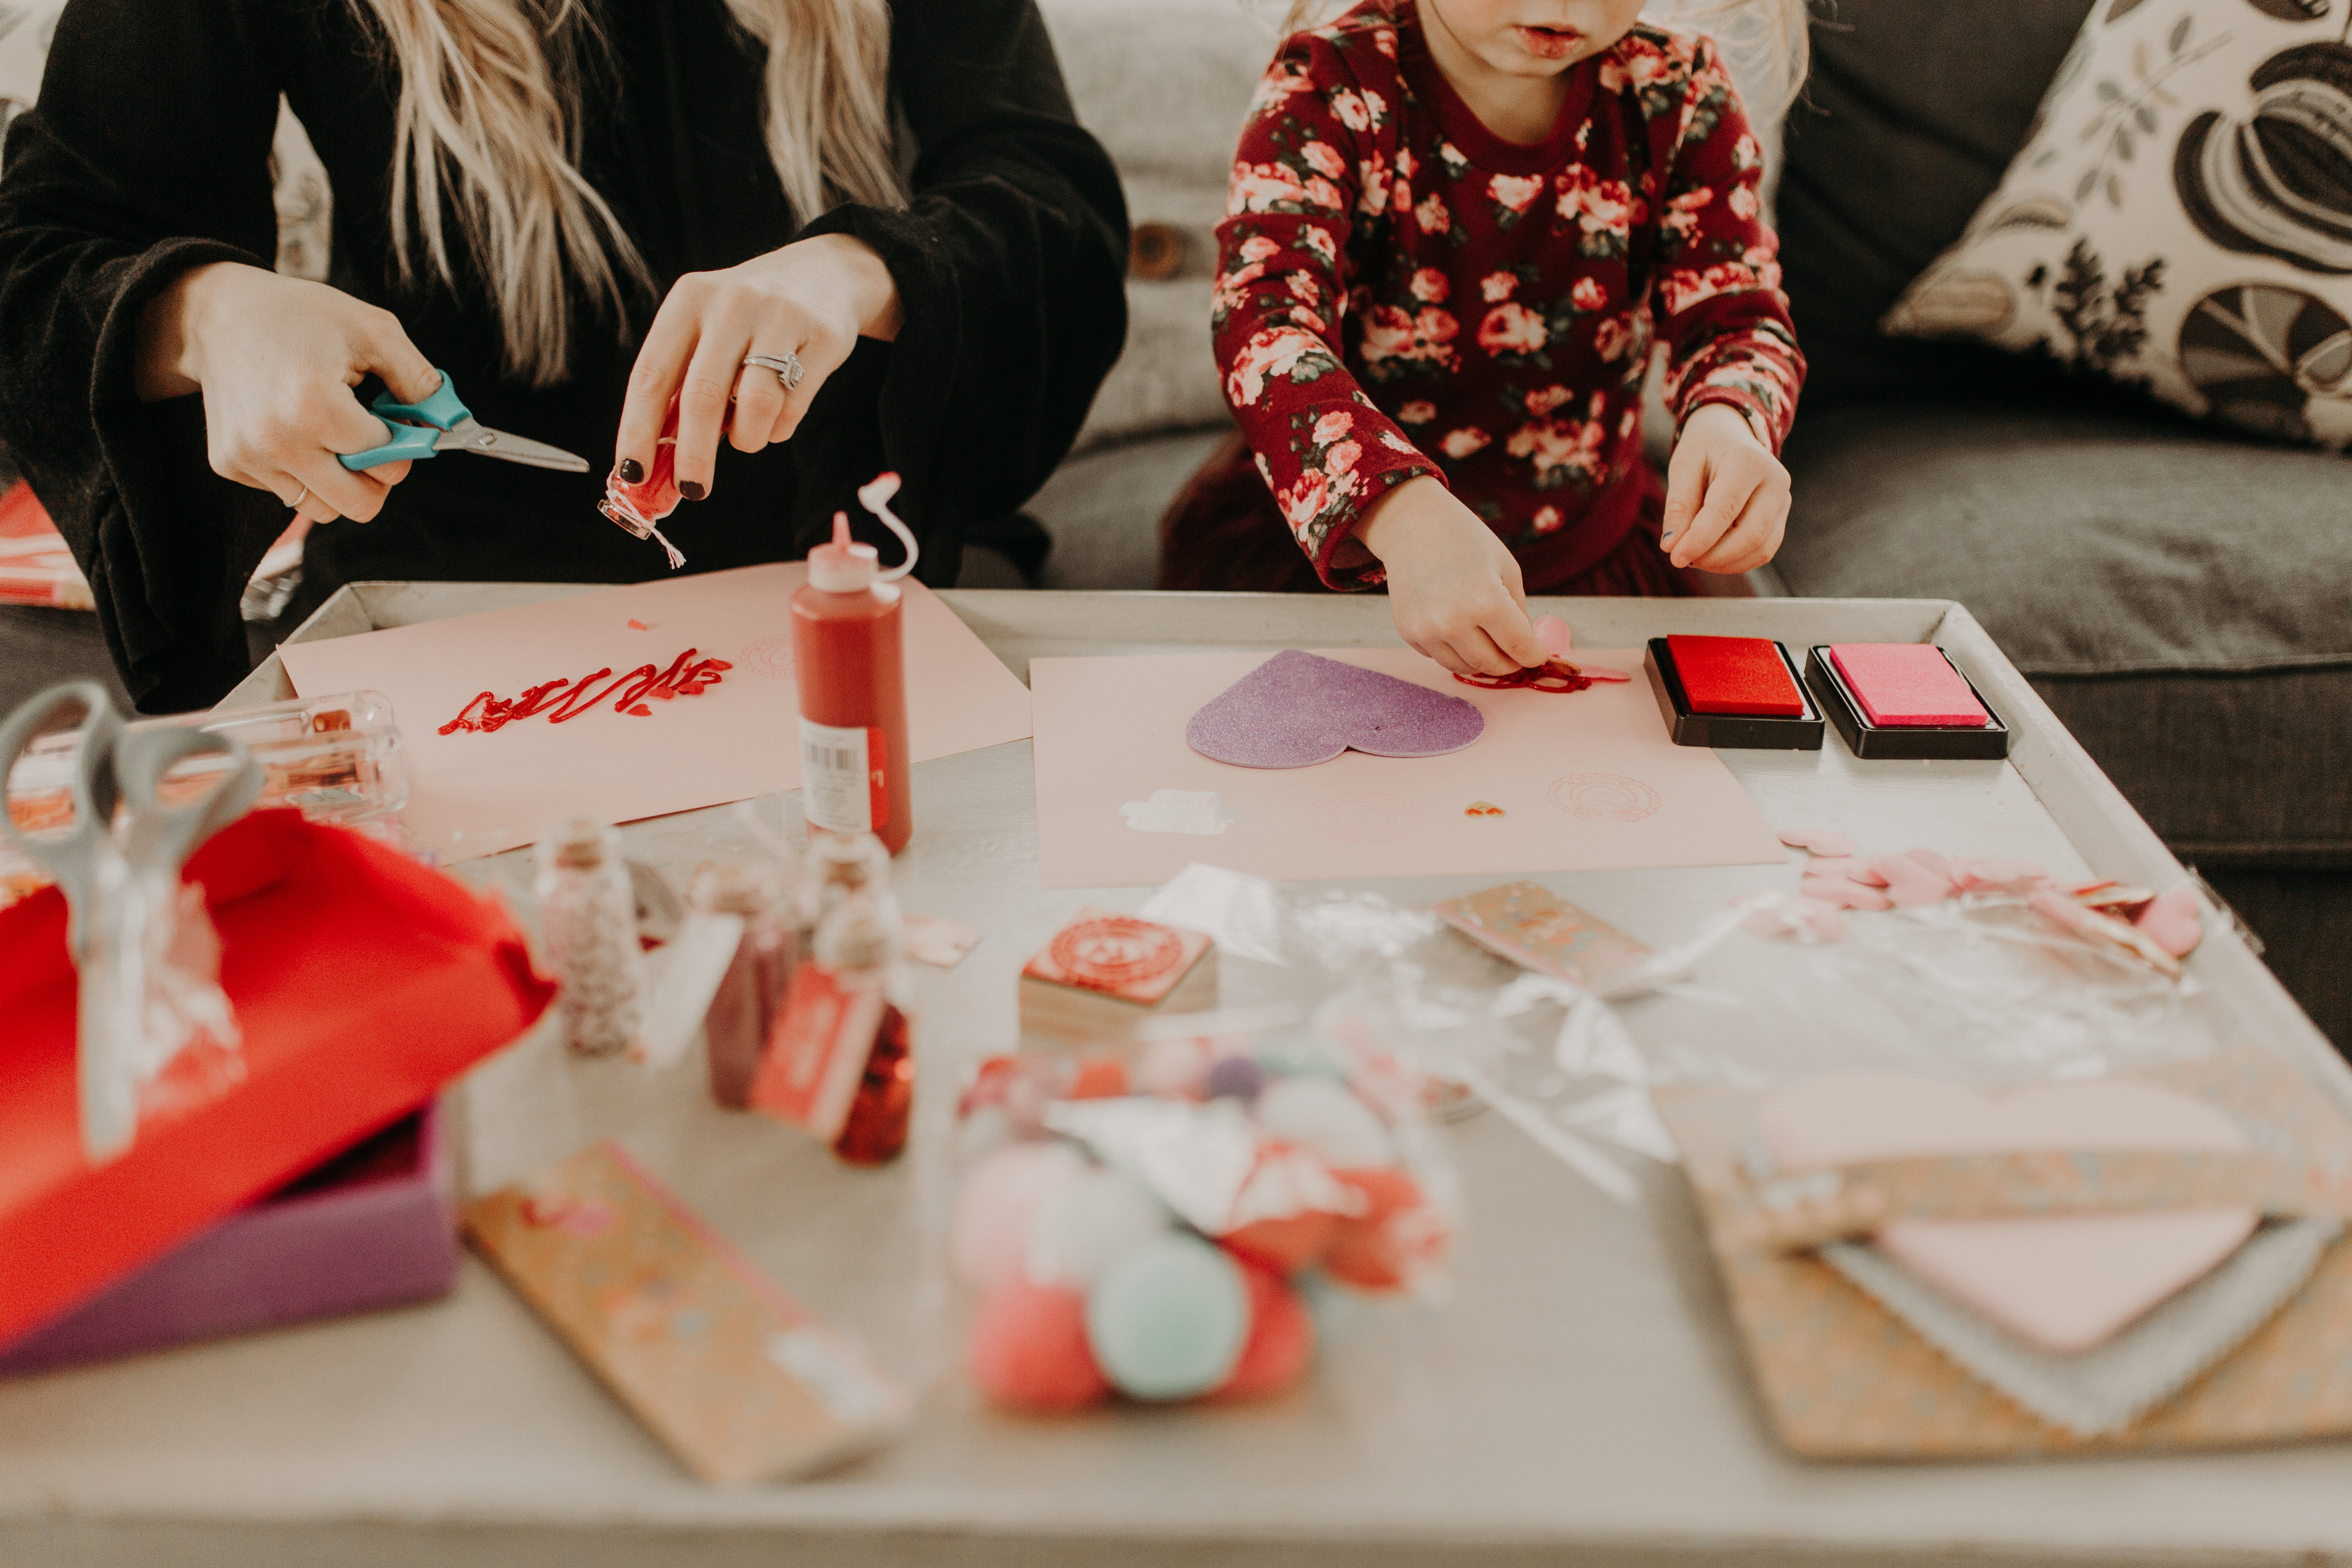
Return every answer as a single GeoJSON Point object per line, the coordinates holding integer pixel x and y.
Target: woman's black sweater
{"type": "Point", "coordinates": [149, 154]}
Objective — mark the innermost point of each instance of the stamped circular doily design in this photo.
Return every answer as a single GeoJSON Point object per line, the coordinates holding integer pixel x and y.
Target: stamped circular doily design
{"type": "Point", "coordinates": [770, 657]}
{"type": "Point", "coordinates": [1114, 953]}
{"type": "Point", "coordinates": [1615, 796]}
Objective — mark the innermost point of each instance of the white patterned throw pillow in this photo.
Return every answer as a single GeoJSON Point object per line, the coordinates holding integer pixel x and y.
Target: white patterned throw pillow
{"type": "Point", "coordinates": [2179, 219]}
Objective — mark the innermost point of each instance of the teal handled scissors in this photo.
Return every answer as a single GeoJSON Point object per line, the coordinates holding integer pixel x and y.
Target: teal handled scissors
{"type": "Point", "coordinates": [121, 880]}
{"type": "Point", "coordinates": [441, 423]}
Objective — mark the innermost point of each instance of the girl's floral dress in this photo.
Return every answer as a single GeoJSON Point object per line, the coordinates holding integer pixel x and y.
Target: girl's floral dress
{"type": "Point", "coordinates": [1402, 292]}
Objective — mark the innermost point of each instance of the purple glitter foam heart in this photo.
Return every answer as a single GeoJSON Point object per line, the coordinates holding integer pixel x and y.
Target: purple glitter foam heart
{"type": "Point", "coordinates": [1297, 709]}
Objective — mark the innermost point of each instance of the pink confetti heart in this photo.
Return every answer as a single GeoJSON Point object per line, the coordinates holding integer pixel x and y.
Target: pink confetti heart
{"type": "Point", "coordinates": [1297, 709]}
{"type": "Point", "coordinates": [1998, 876]}
{"type": "Point", "coordinates": [1938, 864]}
{"type": "Point", "coordinates": [1553, 634]}
{"type": "Point", "coordinates": [1820, 841]}
{"type": "Point", "coordinates": [1806, 918]}
{"type": "Point", "coordinates": [1910, 884]}
{"type": "Point", "coordinates": [2172, 923]}
{"type": "Point", "coordinates": [1838, 892]}
{"type": "Point", "coordinates": [1600, 673]}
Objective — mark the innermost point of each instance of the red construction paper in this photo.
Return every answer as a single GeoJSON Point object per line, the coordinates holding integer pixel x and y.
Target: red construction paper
{"type": "Point", "coordinates": [1735, 675]}
{"type": "Point", "coordinates": [1908, 685]}
{"type": "Point", "coordinates": [362, 982]}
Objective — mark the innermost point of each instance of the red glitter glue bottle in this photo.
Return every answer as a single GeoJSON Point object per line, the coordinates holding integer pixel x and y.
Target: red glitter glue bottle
{"type": "Point", "coordinates": [850, 662]}
{"type": "Point", "coordinates": [640, 507]}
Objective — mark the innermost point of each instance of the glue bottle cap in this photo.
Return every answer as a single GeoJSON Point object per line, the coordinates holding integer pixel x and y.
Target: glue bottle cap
{"type": "Point", "coordinates": [844, 565]}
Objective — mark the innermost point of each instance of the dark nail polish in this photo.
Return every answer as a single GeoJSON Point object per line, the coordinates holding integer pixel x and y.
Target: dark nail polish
{"type": "Point", "coordinates": [689, 490]}
{"type": "Point", "coordinates": [632, 471]}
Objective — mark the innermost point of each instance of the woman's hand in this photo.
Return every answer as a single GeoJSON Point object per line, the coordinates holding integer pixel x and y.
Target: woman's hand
{"type": "Point", "coordinates": [275, 359]}
{"type": "Point", "coordinates": [1454, 587]}
{"type": "Point", "coordinates": [814, 298]}
{"type": "Point", "coordinates": [1726, 495]}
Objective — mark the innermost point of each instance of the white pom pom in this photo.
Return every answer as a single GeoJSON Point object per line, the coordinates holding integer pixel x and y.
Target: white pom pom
{"type": "Point", "coordinates": [1082, 1226]}
{"type": "Point", "coordinates": [1326, 1119]}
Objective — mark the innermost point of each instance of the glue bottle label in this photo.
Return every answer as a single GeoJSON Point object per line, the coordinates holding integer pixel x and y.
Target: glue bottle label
{"type": "Point", "coordinates": [842, 787]}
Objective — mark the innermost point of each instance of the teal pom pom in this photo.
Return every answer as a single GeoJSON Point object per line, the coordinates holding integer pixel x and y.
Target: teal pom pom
{"type": "Point", "coordinates": [1168, 1320]}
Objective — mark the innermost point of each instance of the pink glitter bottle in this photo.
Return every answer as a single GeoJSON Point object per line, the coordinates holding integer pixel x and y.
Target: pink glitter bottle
{"type": "Point", "coordinates": [641, 506]}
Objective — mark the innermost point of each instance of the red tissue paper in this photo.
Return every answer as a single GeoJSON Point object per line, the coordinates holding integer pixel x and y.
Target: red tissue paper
{"type": "Point", "coordinates": [362, 982]}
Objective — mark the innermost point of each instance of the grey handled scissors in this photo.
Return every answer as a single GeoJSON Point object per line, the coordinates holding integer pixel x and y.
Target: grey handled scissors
{"type": "Point", "coordinates": [114, 871]}
{"type": "Point", "coordinates": [441, 423]}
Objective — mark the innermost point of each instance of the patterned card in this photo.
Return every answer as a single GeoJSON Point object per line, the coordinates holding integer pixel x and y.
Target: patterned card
{"type": "Point", "coordinates": [1844, 1378]}
{"type": "Point", "coordinates": [739, 1380]}
{"type": "Point", "coordinates": [1531, 926]}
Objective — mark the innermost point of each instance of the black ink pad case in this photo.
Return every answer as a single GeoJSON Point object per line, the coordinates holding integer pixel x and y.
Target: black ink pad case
{"type": "Point", "coordinates": [1741, 692]}
{"type": "Point", "coordinates": [1865, 687]}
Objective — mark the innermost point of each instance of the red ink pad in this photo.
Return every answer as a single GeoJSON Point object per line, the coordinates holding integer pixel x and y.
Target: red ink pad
{"type": "Point", "coordinates": [1904, 700]}
{"type": "Point", "coordinates": [1735, 675]}
{"type": "Point", "coordinates": [1737, 692]}
{"type": "Point", "coordinates": [1906, 684]}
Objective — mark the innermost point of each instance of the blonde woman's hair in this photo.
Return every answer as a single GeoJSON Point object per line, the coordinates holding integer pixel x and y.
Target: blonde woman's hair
{"type": "Point", "coordinates": [489, 118]}
{"type": "Point", "coordinates": [1767, 35]}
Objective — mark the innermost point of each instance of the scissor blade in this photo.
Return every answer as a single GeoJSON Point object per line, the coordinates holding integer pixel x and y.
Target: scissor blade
{"type": "Point", "coordinates": [471, 435]}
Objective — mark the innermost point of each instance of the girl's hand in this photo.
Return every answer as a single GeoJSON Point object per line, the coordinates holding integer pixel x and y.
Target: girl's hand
{"type": "Point", "coordinates": [275, 359]}
{"type": "Point", "coordinates": [1726, 495]}
{"type": "Point", "coordinates": [814, 298]}
{"type": "Point", "coordinates": [1454, 587]}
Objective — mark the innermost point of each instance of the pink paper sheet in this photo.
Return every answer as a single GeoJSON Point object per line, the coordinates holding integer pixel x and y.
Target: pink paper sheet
{"type": "Point", "coordinates": [475, 794]}
{"type": "Point", "coordinates": [1587, 781]}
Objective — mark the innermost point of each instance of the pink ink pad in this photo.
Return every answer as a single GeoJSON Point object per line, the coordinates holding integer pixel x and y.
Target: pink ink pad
{"type": "Point", "coordinates": [1903, 700]}
{"type": "Point", "coordinates": [1906, 684]}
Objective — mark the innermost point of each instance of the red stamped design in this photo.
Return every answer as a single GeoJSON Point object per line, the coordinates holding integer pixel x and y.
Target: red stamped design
{"type": "Point", "coordinates": [1615, 796]}
{"type": "Point", "coordinates": [1114, 953]}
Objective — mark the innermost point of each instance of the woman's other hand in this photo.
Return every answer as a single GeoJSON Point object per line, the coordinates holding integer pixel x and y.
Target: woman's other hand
{"type": "Point", "coordinates": [1453, 588]}
{"type": "Point", "coordinates": [1726, 495]}
{"type": "Point", "coordinates": [275, 359]}
{"type": "Point", "coordinates": [814, 298]}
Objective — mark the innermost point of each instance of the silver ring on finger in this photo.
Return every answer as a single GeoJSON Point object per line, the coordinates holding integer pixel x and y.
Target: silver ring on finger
{"type": "Point", "coordinates": [787, 366]}
{"type": "Point", "coordinates": [297, 502]}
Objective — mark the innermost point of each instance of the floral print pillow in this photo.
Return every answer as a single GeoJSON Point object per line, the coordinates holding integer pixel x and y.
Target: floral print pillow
{"type": "Point", "coordinates": [2179, 220]}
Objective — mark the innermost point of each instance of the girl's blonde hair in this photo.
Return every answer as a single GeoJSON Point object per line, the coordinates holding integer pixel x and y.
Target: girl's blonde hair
{"type": "Point", "coordinates": [1769, 34]}
{"type": "Point", "coordinates": [489, 118]}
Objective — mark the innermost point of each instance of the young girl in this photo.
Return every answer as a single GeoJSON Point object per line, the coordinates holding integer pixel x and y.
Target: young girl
{"type": "Point", "coordinates": [1455, 226]}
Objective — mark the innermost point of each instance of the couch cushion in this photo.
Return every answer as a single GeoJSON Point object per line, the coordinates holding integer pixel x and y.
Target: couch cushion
{"type": "Point", "coordinates": [1913, 113]}
{"type": "Point", "coordinates": [1103, 509]}
{"type": "Point", "coordinates": [2183, 601]}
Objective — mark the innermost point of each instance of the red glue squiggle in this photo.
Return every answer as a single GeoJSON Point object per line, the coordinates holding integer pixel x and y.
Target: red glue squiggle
{"type": "Point", "coordinates": [561, 700]}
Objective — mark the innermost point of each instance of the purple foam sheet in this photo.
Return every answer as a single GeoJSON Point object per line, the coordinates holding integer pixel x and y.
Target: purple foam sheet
{"type": "Point", "coordinates": [1297, 709]}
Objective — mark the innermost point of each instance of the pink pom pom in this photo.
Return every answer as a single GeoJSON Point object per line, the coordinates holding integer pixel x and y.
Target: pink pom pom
{"type": "Point", "coordinates": [1281, 1343]}
{"type": "Point", "coordinates": [995, 1211]}
{"type": "Point", "coordinates": [1029, 1349]}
